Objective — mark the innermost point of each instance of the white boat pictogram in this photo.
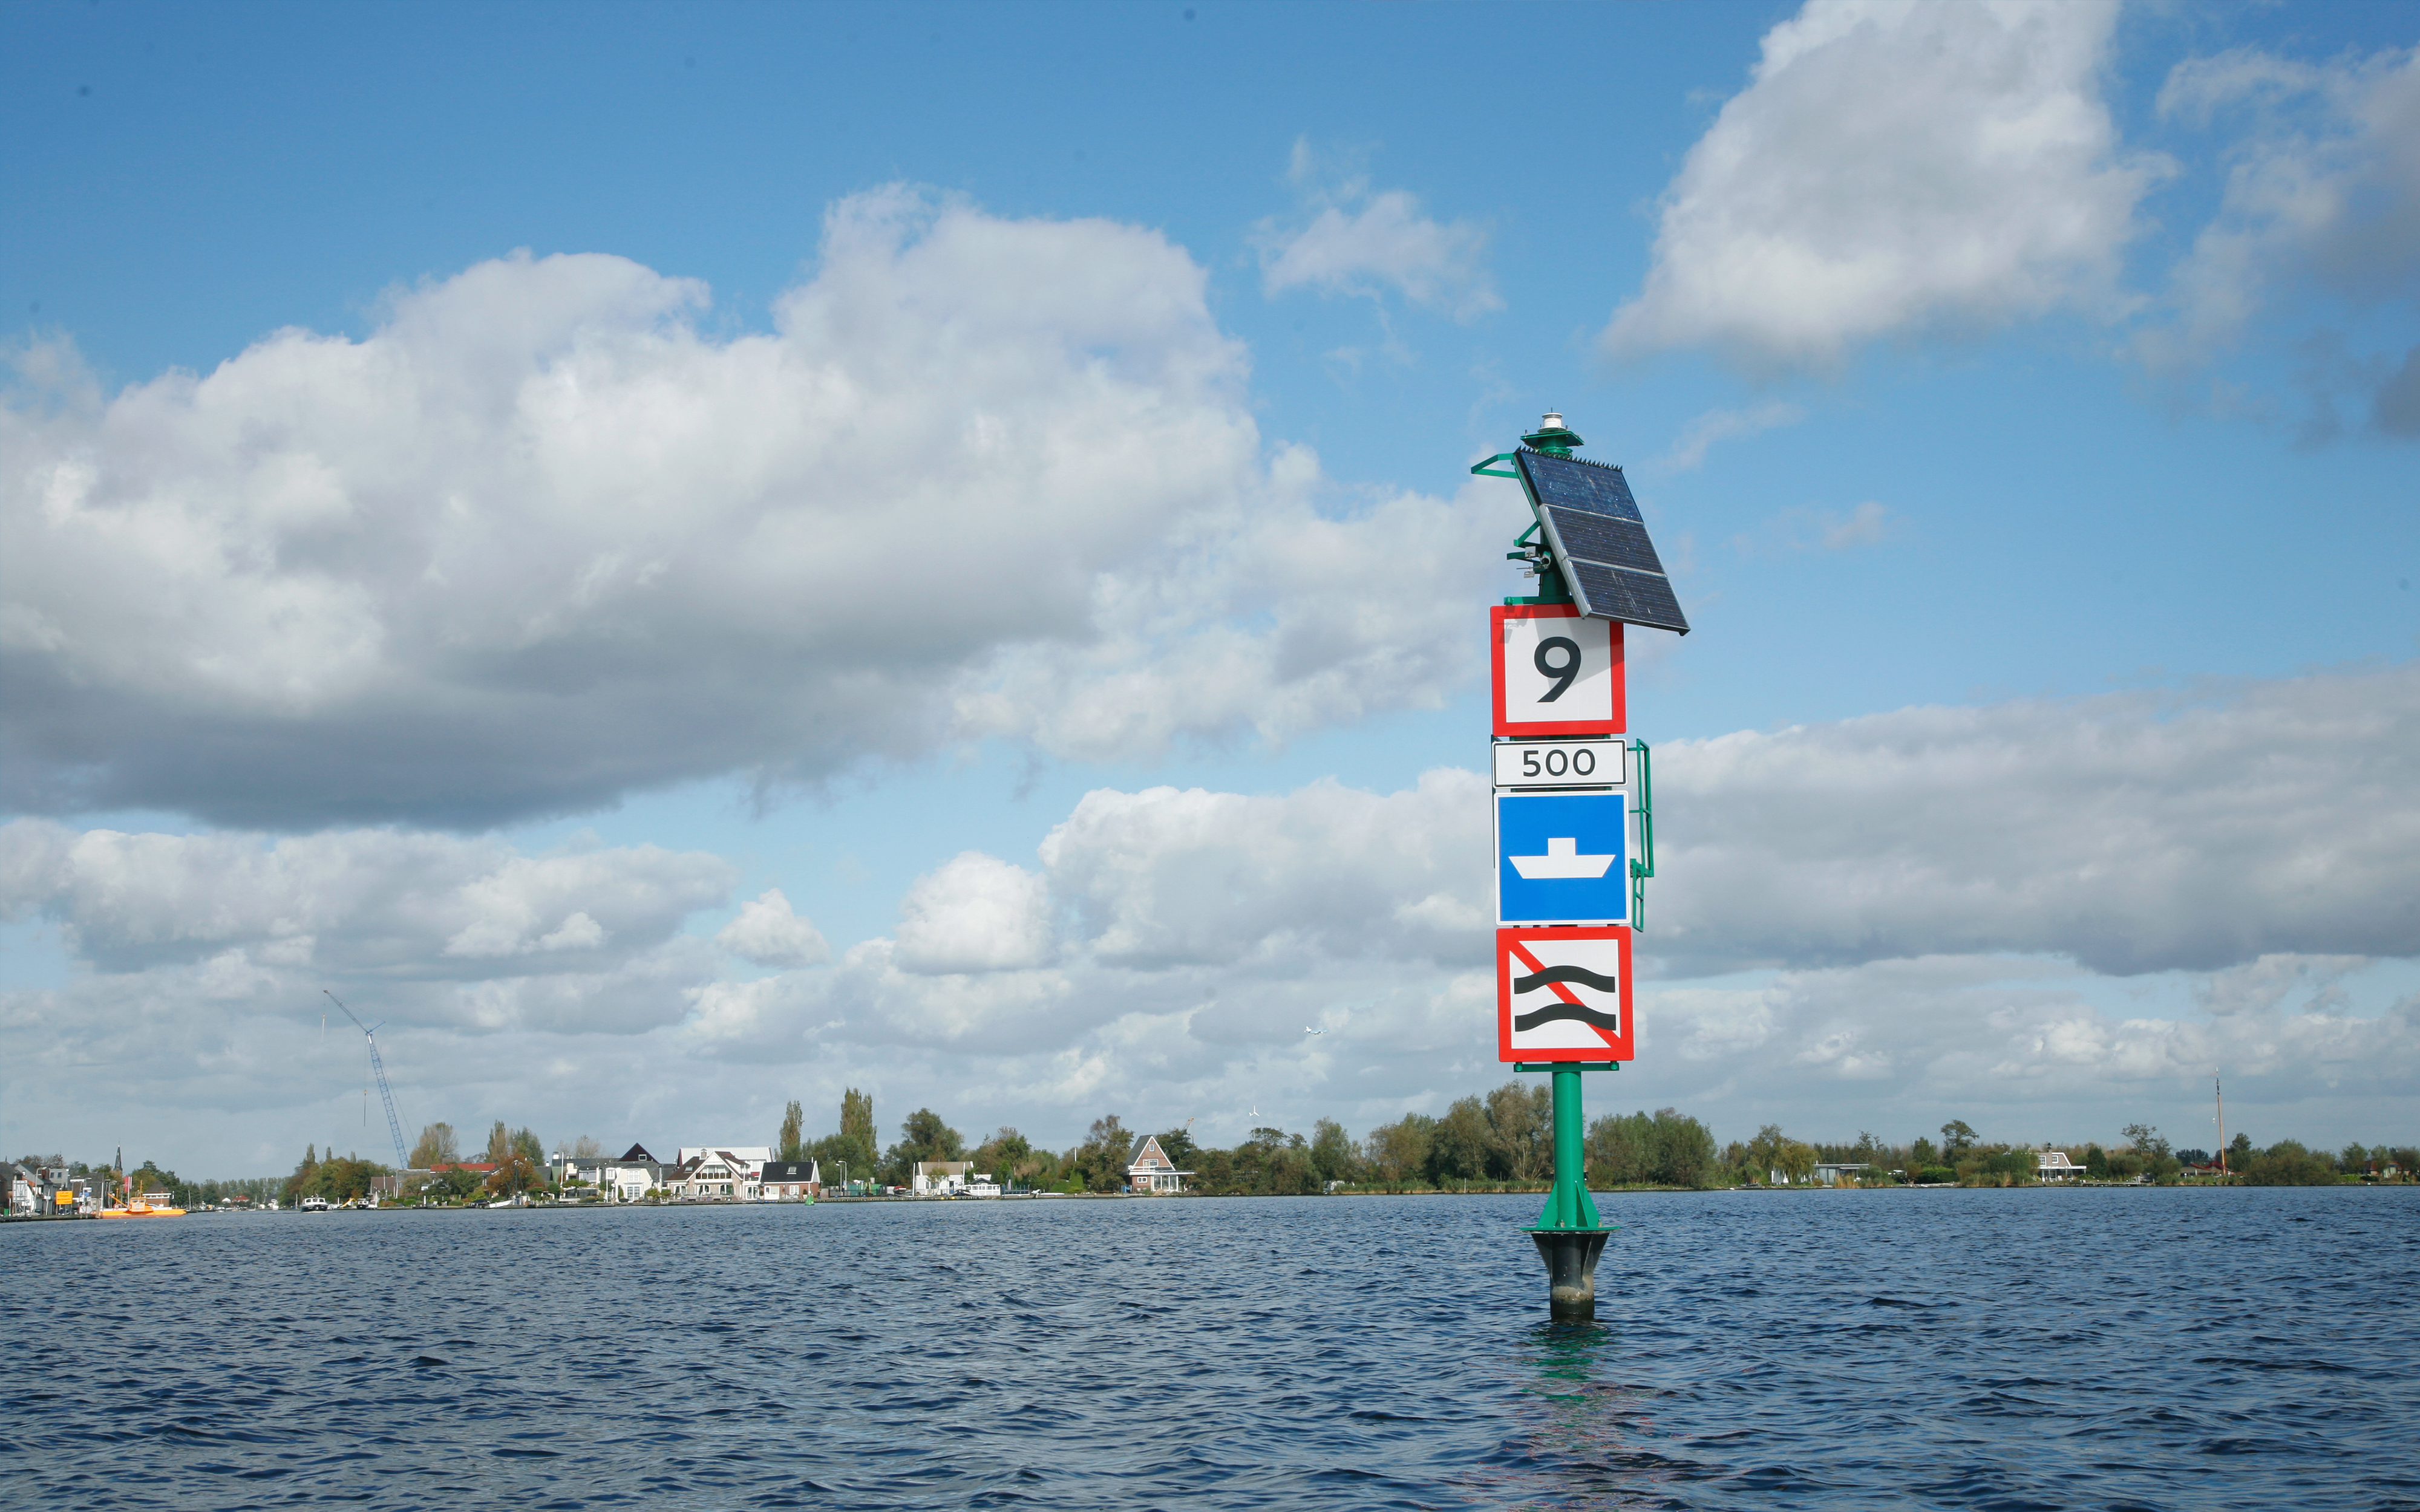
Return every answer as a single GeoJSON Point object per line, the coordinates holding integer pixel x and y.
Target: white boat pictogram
{"type": "Point", "coordinates": [1561, 862]}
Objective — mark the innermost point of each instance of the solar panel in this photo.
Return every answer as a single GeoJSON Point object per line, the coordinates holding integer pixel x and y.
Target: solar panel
{"type": "Point", "coordinates": [1600, 541]}
{"type": "Point", "coordinates": [1589, 486]}
{"type": "Point", "coordinates": [1632, 597]}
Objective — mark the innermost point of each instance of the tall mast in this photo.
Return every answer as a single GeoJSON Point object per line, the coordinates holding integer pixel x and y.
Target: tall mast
{"type": "Point", "coordinates": [2220, 1095]}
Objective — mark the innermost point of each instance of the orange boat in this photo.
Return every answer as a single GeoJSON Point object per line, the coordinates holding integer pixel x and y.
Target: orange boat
{"type": "Point", "coordinates": [145, 1209]}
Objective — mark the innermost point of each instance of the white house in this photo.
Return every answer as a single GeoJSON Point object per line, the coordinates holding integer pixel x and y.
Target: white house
{"type": "Point", "coordinates": [941, 1178]}
{"type": "Point", "coordinates": [709, 1172]}
{"type": "Point", "coordinates": [2053, 1165]}
{"type": "Point", "coordinates": [752, 1156]}
{"type": "Point", "coordinates": [1152, 1171]}
{"type": "Point", "coordinates": [624, 1177]}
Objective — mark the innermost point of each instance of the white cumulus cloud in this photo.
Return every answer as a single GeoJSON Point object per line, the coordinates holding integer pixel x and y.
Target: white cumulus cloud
{"type": "Point", "coordinates": [976, 913]}
{"type": "Point", "coordinates": [1359, 241]}
{"type": "Point", "coordinates": [770, 934]}
{"type": "Point", "coordinates": [537, 540]}
{"type": "Point", "coordinates": [1894, 166]}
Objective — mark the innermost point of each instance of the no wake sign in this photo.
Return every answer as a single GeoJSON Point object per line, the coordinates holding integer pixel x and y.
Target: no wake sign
{"type": "Point", "coordinates": [1563, 994]}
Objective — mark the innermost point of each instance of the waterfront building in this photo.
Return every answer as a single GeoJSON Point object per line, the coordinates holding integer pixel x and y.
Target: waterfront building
{"type": "Point", "coordinates": [624, 1177]}
{"type": "Point", "coordinates": [1150, 1171]}
{"type": "Point", "coordinates": [1837, 1173]}
{"type": "Point", "coordinates": [941, 1178]}
{"type": "Point", "coordinates": [2053, 1165]}
{"type": "Point", "coordinates": [36, 1189]}
{"type": "Point", "coordinates": [752, 1156]}
{"type": "Point", "coordinates": [788, 1181]}
{"type": "Point", "coordinates": [707, 1173]}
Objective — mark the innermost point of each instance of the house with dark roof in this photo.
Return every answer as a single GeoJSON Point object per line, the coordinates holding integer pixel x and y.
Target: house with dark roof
{"type": "Point", "coordinates": [1152, 1172]}
{"type": "Point", "coordinates": [624, 1177]}
{"type": "Point", "coordinates": [788, 1181]}
{"type": "Point", "coordinates": [710, 1175]}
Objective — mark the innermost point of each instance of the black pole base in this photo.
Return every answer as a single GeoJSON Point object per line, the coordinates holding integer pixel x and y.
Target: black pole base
{"type": "Point", "coordinates": [1571, 1257]}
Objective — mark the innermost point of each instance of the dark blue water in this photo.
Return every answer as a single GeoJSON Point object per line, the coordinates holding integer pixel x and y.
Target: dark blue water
{"type": "Point", "coordinates": [2005, 1350]}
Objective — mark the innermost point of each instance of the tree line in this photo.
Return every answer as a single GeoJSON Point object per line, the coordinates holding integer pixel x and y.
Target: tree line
{"type": "Point", "coordinates": [1504, 1139]}
{"type": "Point", "coordinates": [1501, 1140]}
{"type": "Point", "coordinates": [2140, 1153]}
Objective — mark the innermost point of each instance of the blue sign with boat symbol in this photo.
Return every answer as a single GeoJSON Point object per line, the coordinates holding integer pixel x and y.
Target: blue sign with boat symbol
{"type": "Point", "coordinates": [1562, 858]}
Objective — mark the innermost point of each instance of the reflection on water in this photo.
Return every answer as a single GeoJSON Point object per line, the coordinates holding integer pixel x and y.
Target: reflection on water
{"type": "Point", "coordinates": [2178, 1348]}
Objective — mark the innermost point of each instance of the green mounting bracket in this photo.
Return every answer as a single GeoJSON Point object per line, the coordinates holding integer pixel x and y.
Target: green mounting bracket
{"type": "Point", "coordinates": [1483, 469]}
{"type": "Point", "coordinates": [1643, 866]}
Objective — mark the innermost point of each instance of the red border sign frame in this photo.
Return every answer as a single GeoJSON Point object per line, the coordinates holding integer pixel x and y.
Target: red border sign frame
{"type": "Point", "coordinates": [1623, 1048]}
{"type": "Point", "coordinates": [1495, 618]}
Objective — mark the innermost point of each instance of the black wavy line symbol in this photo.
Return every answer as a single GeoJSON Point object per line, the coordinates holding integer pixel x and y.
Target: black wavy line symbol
{"type": "Point", "coordinates": [1558, 1009]}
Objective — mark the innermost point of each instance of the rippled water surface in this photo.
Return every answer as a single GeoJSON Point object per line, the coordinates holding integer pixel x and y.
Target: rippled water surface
{"type": "Point", "coordinates": [2005, 1350]}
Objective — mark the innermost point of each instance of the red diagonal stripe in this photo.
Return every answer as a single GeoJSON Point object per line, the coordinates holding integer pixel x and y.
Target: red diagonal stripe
{"type": "Point", "coordinates": [1558, 988]}
{"type": "Point", "coordinates": [1535, 964]}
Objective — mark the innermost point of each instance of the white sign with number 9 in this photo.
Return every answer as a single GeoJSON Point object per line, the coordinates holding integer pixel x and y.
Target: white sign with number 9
{"type": "Point", "coordinates": [1556, 671]}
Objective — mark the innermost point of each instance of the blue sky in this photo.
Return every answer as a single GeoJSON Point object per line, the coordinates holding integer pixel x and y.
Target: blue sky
{"type": "Point", "coordinates": [2025, 399]}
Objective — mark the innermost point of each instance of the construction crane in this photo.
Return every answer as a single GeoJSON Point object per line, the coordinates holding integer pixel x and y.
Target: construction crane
{"type": "Point", "coordinates": [394, 1124]}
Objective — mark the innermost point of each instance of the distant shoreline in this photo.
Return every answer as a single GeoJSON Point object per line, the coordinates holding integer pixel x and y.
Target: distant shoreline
{"type": "Point", "coordinates": [1128, 1196]}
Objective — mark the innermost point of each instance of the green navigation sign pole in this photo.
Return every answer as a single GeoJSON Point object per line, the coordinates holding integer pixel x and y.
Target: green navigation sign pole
{"type": "Point", "coordinates": [1571, 793]}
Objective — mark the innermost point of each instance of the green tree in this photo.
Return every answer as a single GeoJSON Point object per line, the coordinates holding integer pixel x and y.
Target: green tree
{"type": "Point", "coordinates": [1332, 1156]}
{"type": "Point", "coordinates": [2238, 1152]}
{"type": "Point", "coordinates": [437, 1146]}
{"type": "Point", "coordinates": [2147, 1143]}
{"type": "Point", "coordinates": [459, 1187]}
{"type": "Point", "coordinates": [2096, 1163]}
{"type": "Point", "coordinates": [2287, 1163]}
{"type": "Point", "coordinates": [1101, 1161]}
{"type": "Point", "coordinates": [1621, 1150]}
{"type": "Point", "coordinates": [1272, 1162]}
{"type": "Point", "coordinates": [1955, 1138]}
{"type": "Point", "coordinates": [2008, 1167]}
{"type": "Point", "coordinates": [526, 1145]}
{"type": "Point", "coordinates": [1398, 1152]}
{"type": "Point", "coordinates": [1521, 1130]}
{"type": "Point", "coordinates": [1178, 1145]}
{"type": "Point", "coordinates": [1795, 1160]}
{"type": "Point", "coordinates": [348, 1179]}
{"type": "Point", "coordinates": [1006, 1155]}
{"type": "Point", "coordinates": [304, 1182]}
{"type": "Point", "coordinates": [1764, 1150]}
{"type": "Point", "coordinates": [1922, 1154]}
{"type": "Point", "coordinates": [923, 1137]}
{"type": "Point", "coordinates": [1684, 1149]}
{"type": "Point", "coordinates": [856, 1118]}
{"type": "Point", "coordinates": [1461, 1144]}
{"type": "Point", "coordinates": [516, 1173]}
{"type": "Point", "coordinates": [791, 1143]}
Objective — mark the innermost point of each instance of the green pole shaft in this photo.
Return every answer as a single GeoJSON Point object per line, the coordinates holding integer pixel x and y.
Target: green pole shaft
{"type": "Point", "coordinates": [1569, 1205]}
